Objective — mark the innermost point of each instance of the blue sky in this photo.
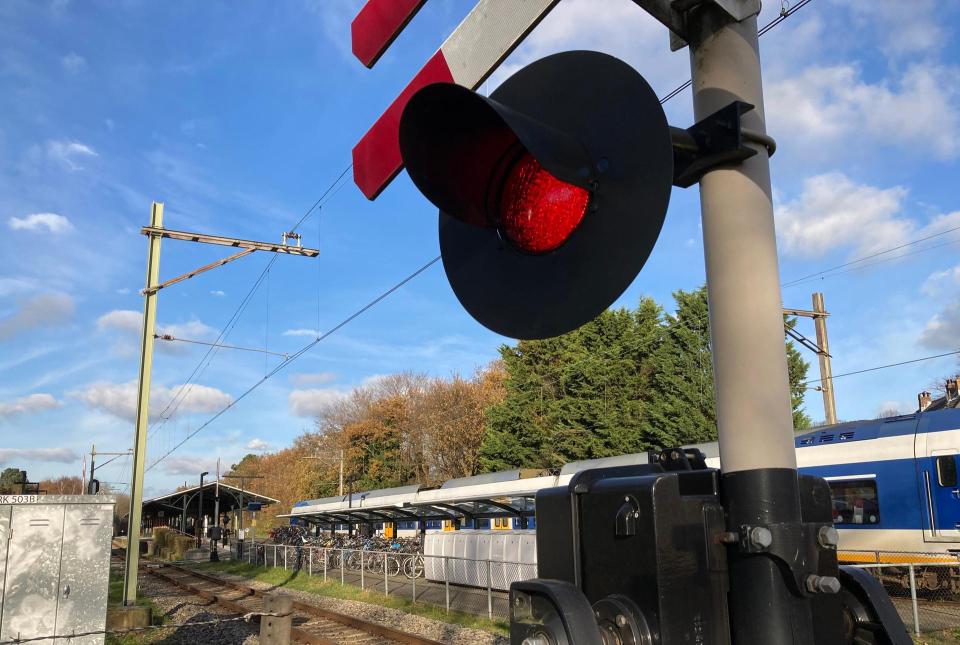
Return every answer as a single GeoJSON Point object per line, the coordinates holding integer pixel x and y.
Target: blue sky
{"type": "Point", "coordinates": [239, 116]}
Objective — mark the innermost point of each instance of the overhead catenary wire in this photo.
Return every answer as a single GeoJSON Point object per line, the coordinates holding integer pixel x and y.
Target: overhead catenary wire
{"type": "Point", "coordinates": [168, 337]}
{"type": "Point", "coordinates": [184, 390]}
{"type": "Point", "coordinates": [873, 255]}
{"type": "Point", "coordinates": [300, 352]}
{"type": "Point", "coordinates": [883, 367]}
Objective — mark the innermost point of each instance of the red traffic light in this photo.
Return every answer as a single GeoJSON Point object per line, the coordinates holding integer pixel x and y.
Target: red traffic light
{"type": "Point", "coordinates": [538, 212]}
{"type": "Point", "coordinates": [552, 190]}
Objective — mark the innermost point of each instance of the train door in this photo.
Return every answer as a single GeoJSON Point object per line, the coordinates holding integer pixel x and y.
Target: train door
{"type": "Point", "coordinates": [940, 485]}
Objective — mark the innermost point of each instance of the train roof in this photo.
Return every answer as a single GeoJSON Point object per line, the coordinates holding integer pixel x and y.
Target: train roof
{"type": "Point", "coordinates": [509, 492]}
{"type": "Point", "coordinates": [927, 421]}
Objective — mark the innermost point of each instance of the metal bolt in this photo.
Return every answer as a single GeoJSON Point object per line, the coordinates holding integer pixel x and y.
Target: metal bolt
{"type": "Point", "coordinates": [621, 620]}
{"type": "Point", "coordinates": [536, 639]}
{"type": "Point", "coordinates": [828, 536]}
{"type": "Point", "coordinates": [822, 584]}
{"type": "Point", "coordinates": [761, 537]}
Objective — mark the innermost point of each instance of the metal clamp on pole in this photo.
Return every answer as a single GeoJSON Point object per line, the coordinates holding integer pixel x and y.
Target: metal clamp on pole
{"type": "Point", "coordinates": [718, 140]}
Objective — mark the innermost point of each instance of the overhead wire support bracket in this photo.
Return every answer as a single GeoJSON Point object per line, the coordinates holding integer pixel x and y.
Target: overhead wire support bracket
{"type": "Point", "coordinates": [248, 246]}
{"type": "Point", "coordinates": [803, 340]}
{"type": "Point", "coordinates": [229, 241]}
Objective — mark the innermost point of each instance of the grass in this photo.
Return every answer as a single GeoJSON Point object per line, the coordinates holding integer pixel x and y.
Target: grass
{"type": "Point", "coordinates": [334, 589]}
{"type": "Point", "coordinates": [946, 637]}
{"type": "Point", "coordinates": [115, 598]}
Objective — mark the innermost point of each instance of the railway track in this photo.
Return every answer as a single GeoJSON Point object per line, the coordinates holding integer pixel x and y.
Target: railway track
{"type": "Point", "coordinates": [311, 624]}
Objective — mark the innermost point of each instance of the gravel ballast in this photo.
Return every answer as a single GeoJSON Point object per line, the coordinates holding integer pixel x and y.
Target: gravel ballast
{"type": "Point", "coordinates": [178, 607]}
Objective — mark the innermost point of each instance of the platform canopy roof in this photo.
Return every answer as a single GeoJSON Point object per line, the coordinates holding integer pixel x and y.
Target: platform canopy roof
{"type": "Point", "coordinates": [509, 492]}
{"type": "Point", "coordinates": [231, 499]}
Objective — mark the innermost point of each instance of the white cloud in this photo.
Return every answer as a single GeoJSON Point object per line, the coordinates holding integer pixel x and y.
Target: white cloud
{"type": "Point", "coordinates": [74, 62]}
{"type": "Point", "coordinates": [20, 455]}
{"type": "Point", "coordinates": [121, 320]}
{"type": "Point", "coordinates": [192, 330]}
{"type": "Point", "coordinates": [123, 291]}
{"type": "Point", "coordinates": [120, 399]}
{"type": "Point", "coordinates": [40, 311]}
{"type": "Point", "coordinates": [312, 402]}
{"type": "Point", "coordinates": [904, 27]}
{"type": "Point", "coordinates": [939, 281]}
{"type": "Point", "coordinates": [824, 105]}
{"type": "Point", "coordinates": [834, 212]}
{"type": "Point", "coordinates": [190, 466]}
{"type": "Point", "coordinates": [218, 293]}
{"type": "Point", "coordinates": [68, 152]}
{"type": "Point", "coordinates": [27, 405]}
{"type": "Point", "coordinates": [259, 445]}
{"type": "Point", "coordinates": [943, 330]}
{"type": "Point", "coordinates": [616, 27]}
{"type": "Point", "coordinates": [37, 221]}
{"type": "Point", "coordinates": [20, 284]}
{"type": "Point", "coordinates": [312, 333]}
{"type": "Point", "coordinates": [320, 378]}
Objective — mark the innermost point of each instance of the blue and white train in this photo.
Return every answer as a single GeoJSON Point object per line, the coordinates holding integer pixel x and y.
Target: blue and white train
{"type": "Point", "coordinates": [894, 482]}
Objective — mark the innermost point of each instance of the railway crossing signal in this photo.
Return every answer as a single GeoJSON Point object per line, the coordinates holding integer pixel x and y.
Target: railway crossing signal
{"type": "Point", "coordinates": [552, 191]}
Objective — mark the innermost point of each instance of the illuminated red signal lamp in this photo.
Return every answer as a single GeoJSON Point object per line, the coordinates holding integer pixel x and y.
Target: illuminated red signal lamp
{"type": "Point", "coordinates": [537, 211]}
{"type": "Point", "coordinates": [552, 191]}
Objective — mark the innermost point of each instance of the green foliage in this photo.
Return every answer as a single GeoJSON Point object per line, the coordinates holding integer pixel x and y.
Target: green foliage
{"type": "Point", "coordinates": [628, 381]}
{"type": "Point", "coordinates": [11, 481]}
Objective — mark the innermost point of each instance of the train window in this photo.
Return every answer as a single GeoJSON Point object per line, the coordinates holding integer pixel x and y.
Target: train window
{"type": "Point", "coordinates": [947, 470]}
{"type": "Point", "coordinates": [855, 502]}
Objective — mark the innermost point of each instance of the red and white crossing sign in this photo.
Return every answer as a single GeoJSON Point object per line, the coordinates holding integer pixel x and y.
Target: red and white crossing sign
{"type": "Point", "coordinates": [467, 57]}
{"type": "Point", "coordinates": [378, 24]}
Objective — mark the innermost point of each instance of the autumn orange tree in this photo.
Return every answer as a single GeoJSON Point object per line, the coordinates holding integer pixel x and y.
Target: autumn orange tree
{"type": "Point", "coordinates": [399, 429]}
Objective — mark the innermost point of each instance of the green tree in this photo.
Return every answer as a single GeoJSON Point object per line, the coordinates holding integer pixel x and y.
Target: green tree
{"type": "Point", "coordinates": [683, 375]}
{"type": "Point", "coordinates": [11, 481]}
{"type": "Point", "coordinates": [577, 396]}
{"type": "Point", "coordinates": [625, 382]}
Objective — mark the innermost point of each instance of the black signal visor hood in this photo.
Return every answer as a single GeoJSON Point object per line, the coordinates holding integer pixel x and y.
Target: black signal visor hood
{"type": "Point", "coordinates": [456, 145]}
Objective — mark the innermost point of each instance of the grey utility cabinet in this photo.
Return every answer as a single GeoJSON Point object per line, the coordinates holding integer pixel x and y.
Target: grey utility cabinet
{"type": "Point", "coordinates": [54, 566]}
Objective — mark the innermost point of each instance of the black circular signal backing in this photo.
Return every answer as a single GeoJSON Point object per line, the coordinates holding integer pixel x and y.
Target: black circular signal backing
{"type": "Point", "coordinates": [607, 107]}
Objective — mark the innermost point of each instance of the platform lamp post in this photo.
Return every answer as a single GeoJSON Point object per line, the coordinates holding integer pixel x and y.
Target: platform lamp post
{"type": "Point", "coordinates": [200, 510]}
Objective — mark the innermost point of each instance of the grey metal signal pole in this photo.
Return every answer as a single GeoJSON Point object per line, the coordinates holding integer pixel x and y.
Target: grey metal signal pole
{"type": "Point", "coordinates": [754, 413]}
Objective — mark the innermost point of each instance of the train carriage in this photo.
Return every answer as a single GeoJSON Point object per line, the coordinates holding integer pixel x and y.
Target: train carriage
{"type": "Point", "coordinates": [893, 483]}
